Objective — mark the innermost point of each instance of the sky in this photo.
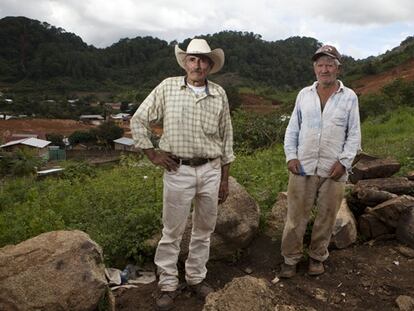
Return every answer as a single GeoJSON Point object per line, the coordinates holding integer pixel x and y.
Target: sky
{"type": "Point", "coordinates": [358, 28]}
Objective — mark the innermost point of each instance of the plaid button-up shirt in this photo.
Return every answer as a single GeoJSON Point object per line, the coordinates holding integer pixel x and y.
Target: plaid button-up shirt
{"type": "Point", "coordinates": [193, 125]}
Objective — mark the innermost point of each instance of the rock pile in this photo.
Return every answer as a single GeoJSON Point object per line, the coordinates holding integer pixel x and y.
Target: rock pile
{"type": "Point", "coordinates": [382, 204]}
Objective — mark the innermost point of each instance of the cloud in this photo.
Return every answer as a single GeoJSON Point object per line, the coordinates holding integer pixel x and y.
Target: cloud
{"type": "Point", "coordinates": [349, 23]}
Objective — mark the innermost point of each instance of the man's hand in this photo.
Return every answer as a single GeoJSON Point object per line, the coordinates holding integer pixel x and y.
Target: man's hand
{"type": "Point", "coordinates": [337, 171]}
{"type": "Point", "coordinates": [223, 191]}
{"type": "Point", "coordinates": [224, 183]}
{"type": "Point", "coordinates": [295, 167]}
{"type": "Point", "coordinates": [161, 158]}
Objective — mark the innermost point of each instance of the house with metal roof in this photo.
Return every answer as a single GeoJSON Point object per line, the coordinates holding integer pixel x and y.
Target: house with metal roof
{"type": "Point", "coordinates": [39, 145]}
{"type": "Point", "coordinates": [95, 119]}
{"type": "Point", "coordinates": [125, 144]}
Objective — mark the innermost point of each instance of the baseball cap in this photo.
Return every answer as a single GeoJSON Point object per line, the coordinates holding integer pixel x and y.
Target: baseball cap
{"type": "Point", "coordinates": [327, 50]}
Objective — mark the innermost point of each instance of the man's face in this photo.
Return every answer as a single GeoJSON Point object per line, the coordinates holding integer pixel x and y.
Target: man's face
{"type": "Point", "coordinates": [326, 70]}
{"type": "Point", "coordinates": [197, 68]}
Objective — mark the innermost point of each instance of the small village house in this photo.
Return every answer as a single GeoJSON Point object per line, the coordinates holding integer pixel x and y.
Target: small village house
{"type": "Point", "coordinates": [39, 145]}
{"type": "Point", "coordinates": [94, 119]}
{"type": "Point", "coordinates": [125, 144]}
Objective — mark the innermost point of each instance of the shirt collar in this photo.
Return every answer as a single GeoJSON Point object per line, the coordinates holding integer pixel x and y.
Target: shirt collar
{"type": "Point", "coordinates": [341, 86]}
{"type": "Point", "coordinates": [210, 89]}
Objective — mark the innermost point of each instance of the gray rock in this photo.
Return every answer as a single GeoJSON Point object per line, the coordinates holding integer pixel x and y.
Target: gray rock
{"type": "Point", "coordinates": [277, 217]}
{"type": "Point", "coordinates": [345, 230]}
{"type": "Point", "coordinates": [405, 303]}
{"type": "Point", "coordinates": [237, 224]}
{"type": "Point", "coordinates": [59, 270]}
{"type": "Point", "coordinates": [371, 227]}
{"type": "Point", "coordinates": [244, 293]}
{"type": "Point", "coordinates": [390, 211]}
{"type": "Point", "coordinates": [405, 227]}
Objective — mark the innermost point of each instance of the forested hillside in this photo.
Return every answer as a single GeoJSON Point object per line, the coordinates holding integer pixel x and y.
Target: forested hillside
{"type": "Point", "coordinates": [34, 51]}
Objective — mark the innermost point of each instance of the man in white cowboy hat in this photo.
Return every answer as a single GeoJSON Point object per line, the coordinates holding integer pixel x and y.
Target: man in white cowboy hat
{"type": "Point", "coordinates": [195, 149]}
{"type": "Point", "coordinates": [321, 141]}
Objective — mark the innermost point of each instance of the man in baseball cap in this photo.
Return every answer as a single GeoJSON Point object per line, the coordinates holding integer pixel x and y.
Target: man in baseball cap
{"type": "Point", "coordinates": [321, 141]}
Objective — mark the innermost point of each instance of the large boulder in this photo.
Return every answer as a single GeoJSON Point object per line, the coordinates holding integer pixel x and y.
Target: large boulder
{"type": "Point", "coordinates": [277, 217]}
{"type": "Point", "coordinates": [368, 168]}
{"type": "Point", "coordinates": [237, 224]}
{"type": "Point", "coordinates": [345, 230]}
{"type": "Point", "coordinates": [405, 227]}
{"type": "Point", "coordinates": [390, 211]}
{"type": "Point", "coordinates": [59, 270]}
{"type": "Point", "coordinates": [371, 227]}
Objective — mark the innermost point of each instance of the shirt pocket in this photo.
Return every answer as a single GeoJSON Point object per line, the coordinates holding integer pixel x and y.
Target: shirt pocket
{"type": "Point", "coordinates": [340, 118]}
{"type": "Point", "coordinates": [339, 121]}
{"type": "Point", "coordinates": [209, 119]}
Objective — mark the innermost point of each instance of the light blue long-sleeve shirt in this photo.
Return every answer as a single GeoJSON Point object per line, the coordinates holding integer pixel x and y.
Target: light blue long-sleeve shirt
{"type": "Point", "coordinates": [319, 138]}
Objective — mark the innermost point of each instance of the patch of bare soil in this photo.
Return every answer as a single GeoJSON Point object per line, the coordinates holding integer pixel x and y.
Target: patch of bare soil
{"type": "Point", "coordinates": [255, 103]}
{"type": "Point", "coordinates": [40, 127]}
{"type": "Point", "coordinates": [374, 83]}
{"type": "Point", "coordinates": [366, 276]}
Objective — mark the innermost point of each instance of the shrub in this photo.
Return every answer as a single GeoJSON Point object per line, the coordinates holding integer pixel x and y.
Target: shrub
{"type": "Point", "coordinates": [253, 131]}
{"type": "Point", "coordinates": [119, 209]}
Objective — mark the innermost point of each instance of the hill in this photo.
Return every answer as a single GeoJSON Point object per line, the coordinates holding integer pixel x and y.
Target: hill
{"type": "Point", "coordinates": [36, 54]}
{"type": "Point", "coordinates": [375, 82]}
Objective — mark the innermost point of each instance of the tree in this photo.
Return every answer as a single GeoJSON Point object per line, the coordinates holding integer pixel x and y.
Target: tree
{"type": "Point", "coordinates": [81, 137]}
{"type": "Point", "coordinates": [56, 139]}
{"type": "Point", "coordinates": [22, 162]}
{"type": "Point", "coordinates": [107, 132]}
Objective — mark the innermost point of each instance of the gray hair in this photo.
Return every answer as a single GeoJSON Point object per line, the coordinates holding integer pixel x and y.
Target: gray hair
{"type": "Point", "coordinates": [337, 62]}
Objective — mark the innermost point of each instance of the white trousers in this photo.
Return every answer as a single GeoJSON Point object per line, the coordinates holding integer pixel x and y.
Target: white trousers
{"type": "Point", "coordinates": [181, 187]}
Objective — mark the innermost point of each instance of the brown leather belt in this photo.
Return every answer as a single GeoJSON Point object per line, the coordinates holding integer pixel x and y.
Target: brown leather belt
{"type": "Point", "coordinates": [192, 162]}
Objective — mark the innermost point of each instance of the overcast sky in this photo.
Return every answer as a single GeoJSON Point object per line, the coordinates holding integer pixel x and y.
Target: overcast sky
{"type": "Point", "coordinates": [358, 28]}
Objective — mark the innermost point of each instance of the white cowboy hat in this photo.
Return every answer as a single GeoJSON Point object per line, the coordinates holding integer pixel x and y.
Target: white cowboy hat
{"type": "Point", "coordinates": [200, 46]}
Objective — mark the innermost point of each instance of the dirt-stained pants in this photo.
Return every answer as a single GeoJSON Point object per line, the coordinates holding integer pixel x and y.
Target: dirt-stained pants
{"type": "Point", "coordinates": [303, 191]}
{"type": "Point", "coordinates": [180, 188]}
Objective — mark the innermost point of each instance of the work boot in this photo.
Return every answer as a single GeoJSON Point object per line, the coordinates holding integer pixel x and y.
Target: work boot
{"type": "Point", "coordinates": [315, 267]}
{"type": "Point", "coordinates": [287, 271]}
{"type": "Point", "coordinates": [165, 300]}
{"type": "Point", "coordinates": [201, 289]}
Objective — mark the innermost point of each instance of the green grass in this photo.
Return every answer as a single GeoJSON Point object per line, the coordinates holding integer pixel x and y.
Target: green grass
{"type": "Point", "coordinates": [391, 135]}
{"type": "Point", "coordinates": [264, 174]}
{"type": "Point", "coordinates": [120, 207]}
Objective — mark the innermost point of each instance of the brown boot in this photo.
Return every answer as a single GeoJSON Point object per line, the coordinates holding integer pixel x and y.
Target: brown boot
{"type": "Point", "coordinates": [165, 300]}
{"type": "Point", "coordinates": [201, 289]}
{"type": "Point", "coordinates": [316, 267]}
{"type": "Point", "coordinates": [287, 271]}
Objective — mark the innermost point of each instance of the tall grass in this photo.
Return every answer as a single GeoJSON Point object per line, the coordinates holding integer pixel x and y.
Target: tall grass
{"type": "Point", "coordinates": [391, 135]}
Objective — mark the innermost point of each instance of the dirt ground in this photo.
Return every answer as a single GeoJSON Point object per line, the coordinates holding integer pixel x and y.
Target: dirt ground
{"type": "Point", "coordinates": [258, 104]}
{"type": "Point", "coordinates": [40, 127]}
{"type": "Point", "coordinates": [373, 83]}
{"type": "Point", "coordinates": [366, 276]}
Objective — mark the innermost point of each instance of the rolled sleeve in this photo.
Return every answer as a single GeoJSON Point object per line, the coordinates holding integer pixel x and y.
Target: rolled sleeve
{"type": "Point", "coordinates": [149, 111]}
{"type": "Point", "coordinates": [226, 134]}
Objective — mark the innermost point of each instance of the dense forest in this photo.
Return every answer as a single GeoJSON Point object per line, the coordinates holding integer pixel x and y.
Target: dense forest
{"type": "Point", "coordinates": [41, 59]}
{"type": "Point", "coordinates": [34, 51]}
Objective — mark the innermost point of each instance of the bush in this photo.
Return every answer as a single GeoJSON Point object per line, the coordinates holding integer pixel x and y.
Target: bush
{"type": "Point", "coordinates": [119, 209]}
{"type": "Point", "coordinates": [22, 162]}
{"type": "Point", "coordinates": [264, 174]}
{"type": "Point", "coordinates": [253, 131]}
